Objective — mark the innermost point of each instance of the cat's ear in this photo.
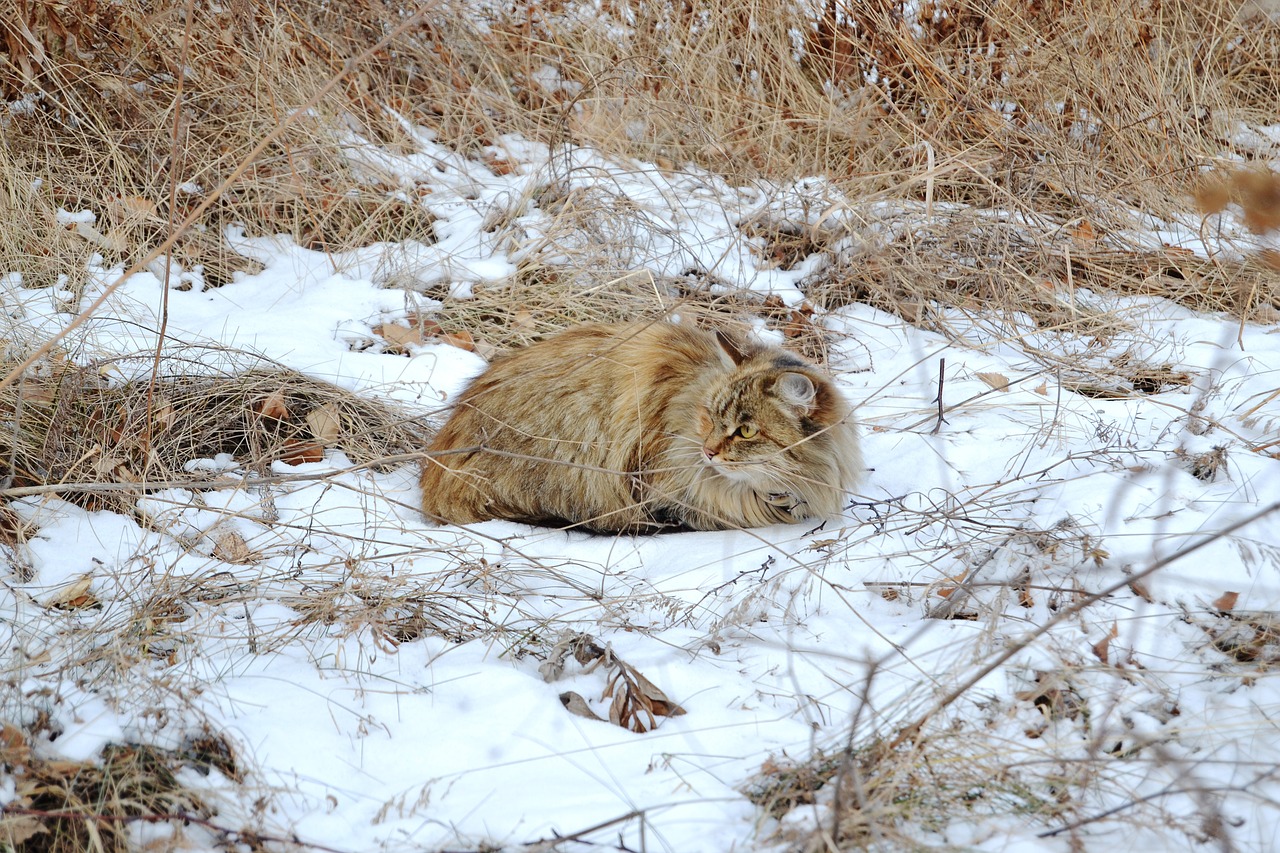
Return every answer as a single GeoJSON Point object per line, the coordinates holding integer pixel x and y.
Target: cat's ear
{"type": "Point", "coordinates": [796, 389]}
{"type": "Point", "coordinates": [732, 353]}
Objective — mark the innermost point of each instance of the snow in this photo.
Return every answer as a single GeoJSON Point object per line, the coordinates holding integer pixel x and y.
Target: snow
{"type": "Point", "coordinates": [364, 732]}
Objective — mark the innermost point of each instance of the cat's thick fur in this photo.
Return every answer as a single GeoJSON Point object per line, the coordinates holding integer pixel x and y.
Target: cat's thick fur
{"type": "Point", "coordinates": [643, 427]}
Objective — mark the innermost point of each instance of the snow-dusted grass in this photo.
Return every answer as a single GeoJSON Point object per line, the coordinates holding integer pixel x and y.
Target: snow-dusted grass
{"type": "Point", "coordinates": [377, 678]}
{"type": "Point", "coordinates": [1046, 622]}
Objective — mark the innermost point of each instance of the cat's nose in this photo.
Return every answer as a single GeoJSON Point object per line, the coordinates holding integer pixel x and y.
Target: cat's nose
{"type": "Point", "coordinates": [709, 453]}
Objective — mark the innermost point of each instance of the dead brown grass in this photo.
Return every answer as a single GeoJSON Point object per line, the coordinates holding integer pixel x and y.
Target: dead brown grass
{"type": "Point", "coordinates": [74, 428]}
{"type": "Point", "coordinates": [62, 806]}
{"type": "Point", "coordinates": [1078, 117]}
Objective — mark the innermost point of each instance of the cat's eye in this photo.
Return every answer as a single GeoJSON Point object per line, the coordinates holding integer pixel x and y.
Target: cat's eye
{"type": "Point", "coordinates": [748, 430]}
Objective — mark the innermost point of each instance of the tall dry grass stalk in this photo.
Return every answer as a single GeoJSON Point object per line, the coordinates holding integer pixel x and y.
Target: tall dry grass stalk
{"type": "Point", "coordinates": [1087, 111]}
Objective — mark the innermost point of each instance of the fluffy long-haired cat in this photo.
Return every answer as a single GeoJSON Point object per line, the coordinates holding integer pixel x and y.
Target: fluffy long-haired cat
{"type": "Point", "coordinates": [644, 427]}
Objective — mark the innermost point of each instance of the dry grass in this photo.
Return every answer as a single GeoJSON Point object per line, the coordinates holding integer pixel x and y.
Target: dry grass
{"type": "Point", "coordinates": [1018, 146]}
{"type": "Point", "coordinates": [64, 806]}
{"type": "Point", "coordinates": [76, 429]}
{"type": "Point", "coordinates": [1074, 117]}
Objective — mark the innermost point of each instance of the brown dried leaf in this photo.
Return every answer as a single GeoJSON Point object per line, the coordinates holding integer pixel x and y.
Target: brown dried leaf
{"type": "Point", "coordinates": [1226, 602]}
{"type": "Point", "coordinates": [655, 699]}
{"type": "Point", "coordinates": [522, 320]}
{"type": "Point", "coordinates": [1102, 647]}
{"type": "Point", "coordinates": [637, 703]}
{"type": "Point", "coordinates": [945, 592]}
{"type": "Point", "coordinates": [72, 595]}
{"type": "Point", "coordinates": [16, 830]}
{"type": "Point", "coordinates": [575, 704]}
{"type": "Point", "coordinates": [272, 406]}
{"type": "Point", "coordinates": [400, 336]}
{"type": "Point", "coordinates": [324, 423]}
{"type": "Point", "coordinates": [134, 208]}
{"type": "Point", "coordinates": [1084, 232]}
{"type": "Point", "coordinates": [230, 547]}
{"type": "Point", "coordinates": [14, 748]}
{"type": "Point", "coordinates": [994, 381]}
{"type": "Point", "coordinates": [425, 325]}
{"type": "Point", "coordinates": [106, 465]}
{"type": "Point", "coordinates": [462, 340]}
{"type": "Point", "coordinates": [38, 392]}
{"type": "Point", "coordinates": [499, 165]}
{"type": "Point", "coordinates": [297, 452]}
{"type": "Point", "coordinates": [1023, 588]}
{"type": "Point", "coordinates": [163, 415]}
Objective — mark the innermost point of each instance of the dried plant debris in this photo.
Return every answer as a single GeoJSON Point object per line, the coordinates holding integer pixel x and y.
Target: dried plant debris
{"type": "Point", "coordinates": [71, 425]}
{"type": "Point", "coordinates": [1125, 378]}
{"type": "Point", "coordinates": [62, 806]}
{"type": "Point", "coordinates": [636, 702]}
{"type": "Point", "coordinates": [781, 785]}
{"type": "Point", "coordinates": [1206, 465]}
{"type": "Point", "coordinates": [1251, 638]}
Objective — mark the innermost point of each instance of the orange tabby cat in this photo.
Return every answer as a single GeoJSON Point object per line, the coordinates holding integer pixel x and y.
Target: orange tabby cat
{"type": "Point", "coordinates": [643, 427]}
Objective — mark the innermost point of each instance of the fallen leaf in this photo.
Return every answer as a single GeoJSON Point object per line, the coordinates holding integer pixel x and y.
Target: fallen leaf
{"type": "Point", "coordinates": [163, 415]}
{"type": "Point", "coordinates": [272, 406]}
{"type": "Point", "coordinates": [38, 391]}
{"type": "Point", "coordinates": [324, 424]}
{"type": "Point", "coordinates": [297, 452]}
{"type": "Point", "coordinates": [575, 704]}
{"type": "Point", "coordinates": [462, 340]}
{"type": "Point", "coordinates": [994, 381]}
{"type": "Point", "coordinates": [499, 165]}
{"type": "Point", "coordinates": [523, 320]}
{"type": "Point", "coordinates": [1102, 647]}
{"type": "Point", "coordinates": [1139, 589]}
{"type": "Point", "coordinates": [1226, 601]}
{"type": "Point", "coordinates": [400, 336]}
{"type": "Point", "coordinates": [135, 208]}
{"type": "Point", "coordinates": [19, 829]}
{"type": "Point", "coordinates": [72, 595]}
{"type": "Point", "coordinates": [946, 591]}
{"type": "Point", "coordinates": [230, 547]}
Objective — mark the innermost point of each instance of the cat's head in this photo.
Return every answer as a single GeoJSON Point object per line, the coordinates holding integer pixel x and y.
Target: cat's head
{"type": "Point", "coordinates": [768, 419]}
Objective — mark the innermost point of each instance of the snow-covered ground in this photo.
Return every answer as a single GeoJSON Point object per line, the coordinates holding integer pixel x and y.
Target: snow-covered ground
{"type": "Point", "coordinates": [359, 733]}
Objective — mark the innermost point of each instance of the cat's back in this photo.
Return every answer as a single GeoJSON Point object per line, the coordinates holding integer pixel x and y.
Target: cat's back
{"type": "Point", "coordinates": [599, 359]}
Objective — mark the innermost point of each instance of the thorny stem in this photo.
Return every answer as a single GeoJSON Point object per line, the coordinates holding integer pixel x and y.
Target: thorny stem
{"type": "Point", "coordinates": [942, 376]}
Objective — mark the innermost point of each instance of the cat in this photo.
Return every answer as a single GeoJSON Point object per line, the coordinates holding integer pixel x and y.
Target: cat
{"type": "Point", "coordinates": [644, 427]}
